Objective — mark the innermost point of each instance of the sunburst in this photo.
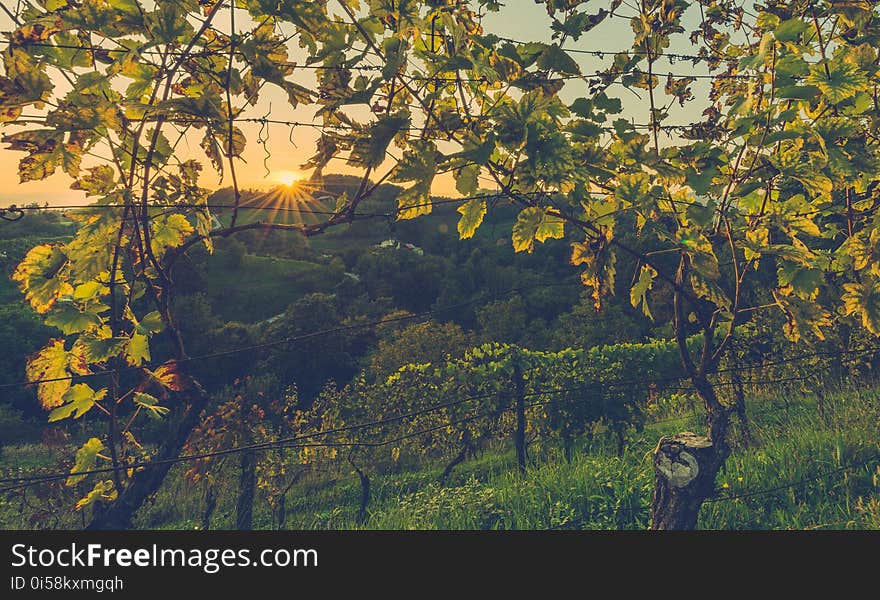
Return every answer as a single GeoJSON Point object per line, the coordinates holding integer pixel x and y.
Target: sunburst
{"type": "Point", "coordinates": [294, 200]}
{"type": "Point", "coordinates": [287, 178]}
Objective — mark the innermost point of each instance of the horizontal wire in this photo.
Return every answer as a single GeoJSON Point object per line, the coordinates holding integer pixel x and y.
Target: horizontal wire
{"type": "Point", "coordinates": [33, 119]}
{"type": "Point", "coordinates": [22, 483]}
{"type": "Point", "coordinates": [288, 442]}
{"type": "Point", "coordinates": [795, 484]}
{"type": "Point", "coordinates": [291, 442]}
{"type": "Point", "coordinates": [672, 57]}
{"type": "Point", "coordinates": [593, 387]}
{"type": "Point", "coordinates": [208, 205]}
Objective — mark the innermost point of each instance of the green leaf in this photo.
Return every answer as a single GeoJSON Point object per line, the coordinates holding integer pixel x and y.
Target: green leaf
{"type": "Point", "coordinates": [101, 349]}
{"type": "Point", "coordinates": [70, 319]}
{"type": "Point", "coordinates": [556, 59]}
{"type": "Point", "coordinates": [168, 24]}
{"type": "Point", "coordinates": [100, 181]}
{"type": "Point", "coordinates": [709, 290]}
{"type": "Point", "coordinates": [212, 150]}
{"type": "Point", "coordinates": [638, 294]}
{"type": "Point", "coordinates": [151, 322]}
{"type": "Point", "coordinates": [609, 105]}
{"type": "Point", "coordinates": [79, 399]}
{"type": "Point", "coordinates": [472, 213]}
{"type": "Point", "coordinates": [170, 232]}
{"type": "Point", "coordinates": [698, 246]}
{"type": "Point", "coordinates": [128, 7]}
{"type": "Point", "coordinates": [790, 30]}
{"type": "Point", "coordinates": [798, 92]}
{"type": "Point", "coordinates": [90, 290]}
{"type": "Point", "coordinates": [842, 81]}
{"type": "Point", "coordinates": [757, 240]}
{"type": "Point", "coordinates": [138, 350]}
{"type": "Point", "coordinates": [792, 65]}
{"type": "Point", "coordinates": [419, 163]}
{"type": "Point", "coordinates": [151, 405]}
{"type": "Point", "coordinates": [533, 223]}
{"type": "Point", "coordinates": [296, 94]}
{"type": "Point", "coordinates": [466, 179]}
{"type": "Point", "coordinates": [583, 107]}
{"type": "Point", "coordinates": [85, 460]}
{"type": "Point", "coordinates": [701, 181]}
{"type": "Point", "coordinates": [702, 215]}
{"type": "Point", "coordinates": [633, 188]}
{"type": "Point", "coordinates": [370, 147]}
{"type": "Point", "coordinates": [394, 49]}
{"type": "Point", "coordinates": [801, 315]}
{"type": "Point", "coordinates": [550, 227]}
{"type": "Point", "coordinates": [794, 278]}
{"type": "Point", "coordinates": [415, 201]}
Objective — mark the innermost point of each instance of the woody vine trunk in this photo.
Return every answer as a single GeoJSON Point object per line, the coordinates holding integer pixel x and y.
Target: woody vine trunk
{"type": "Point", "coordinates": [686, 464]}
{"type": "Point", "coordinates": [146, 482]}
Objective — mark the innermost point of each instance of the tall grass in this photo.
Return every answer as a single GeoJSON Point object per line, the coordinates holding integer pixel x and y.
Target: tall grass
{"type": "Point", "coordinates": [799, 471]}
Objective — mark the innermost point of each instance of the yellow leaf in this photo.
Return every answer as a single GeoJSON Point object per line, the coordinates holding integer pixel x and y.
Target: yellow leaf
{"type": "Point", "coordinates": [85, 460]}
{"type": "Point", "coordinates": [49, 366]}
{"type": "Point", "coordinates": [103, 490]}
{"type": "Point", "coordinates": [472, 213]}
{"type": "Point", "coordinates": [42, 276]}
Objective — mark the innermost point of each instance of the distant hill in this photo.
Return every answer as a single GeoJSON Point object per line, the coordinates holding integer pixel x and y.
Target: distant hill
{"type": "Point", "coordinates": [293, 204]}
{"type": "Point", "coordinates": [285, 205]}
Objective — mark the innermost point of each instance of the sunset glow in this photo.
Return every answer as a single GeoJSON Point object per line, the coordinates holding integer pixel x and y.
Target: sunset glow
{"type": "Point", "coordinates": [292, 200]}
{"type": "Point", "coordinates": [288, 178]}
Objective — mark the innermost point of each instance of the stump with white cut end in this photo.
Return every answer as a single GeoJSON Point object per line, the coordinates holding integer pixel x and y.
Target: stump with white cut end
{"type": "Point", "coordinates": [685, 466]}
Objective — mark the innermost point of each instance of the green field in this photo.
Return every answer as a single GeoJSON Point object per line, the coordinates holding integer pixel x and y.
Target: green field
{"type": "Point", "coordinates": [263, 286]}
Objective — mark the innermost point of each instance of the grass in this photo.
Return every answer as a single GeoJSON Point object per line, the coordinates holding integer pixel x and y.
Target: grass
{"type": "Point", "coordinates": [794, 474]}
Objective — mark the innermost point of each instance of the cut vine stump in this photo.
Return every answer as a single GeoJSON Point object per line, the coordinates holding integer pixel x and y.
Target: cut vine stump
{"type": "Point", "coordinates": [685, 466]}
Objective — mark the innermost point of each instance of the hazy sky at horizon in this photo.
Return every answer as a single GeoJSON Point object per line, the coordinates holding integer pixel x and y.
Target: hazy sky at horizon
{"type": "Point", "coordinates": [520, 19]}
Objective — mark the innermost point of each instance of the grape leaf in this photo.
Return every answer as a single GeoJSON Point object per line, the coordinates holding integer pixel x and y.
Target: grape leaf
{"type": "Point", "coordinates": [85, 460]}
{"type": "Point", "coordinates": [472, 213]}
{"type": "Point", "coordinates": [534, 223]}
{"type": "Point", "coordinates": [138, 350]}
{"type": "Point", "coordinates": [170, 232]}
{"type": "Point", "coordinates": [415, 201]}
{"type": "Point", "coordinates": [70, 319]}
{"type": "Point", "coordinates": [150, 404]}
{"type": "Point", "coordinates": [103, 490]}
{"type": "Point", "coordinates": [842, 81]}
{"type": "Point", "coordinates": [50, 363]}
{"type": "Point", "coordinates": [863, 300]}
{"type": "Point", "coordinates": [42, 276]}
{"type": "Point", "coordinates": [466, 179]}
{"type": "Point", "coordinates": [638, 294]}
{"type": "Point", "coordinates": [79, 399]}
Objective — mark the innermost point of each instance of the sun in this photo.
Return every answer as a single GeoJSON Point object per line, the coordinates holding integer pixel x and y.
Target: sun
{"type": "Point", "coordinates": [287, 178]}
{"type": "Point", "coordinates": [291, 199]}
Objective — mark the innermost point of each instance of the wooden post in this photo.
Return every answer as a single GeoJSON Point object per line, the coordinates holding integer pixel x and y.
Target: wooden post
{"type": "Point", "coordinates": [740, 406]}
{"type": "Point", "coordinates": [244, 510]}
{"type": "Point", "coordinates": [520, 396]}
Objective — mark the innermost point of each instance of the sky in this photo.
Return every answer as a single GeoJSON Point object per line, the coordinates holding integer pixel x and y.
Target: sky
{"type": "Point", "coordinates": [288, 148]}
